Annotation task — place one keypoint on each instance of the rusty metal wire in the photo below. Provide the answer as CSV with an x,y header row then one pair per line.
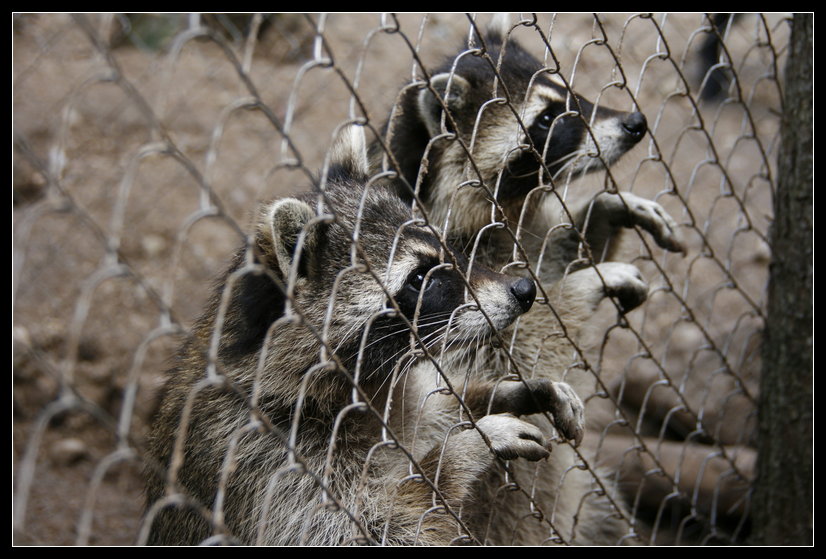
x,y
143,144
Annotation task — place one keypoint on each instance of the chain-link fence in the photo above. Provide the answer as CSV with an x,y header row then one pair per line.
x,y
143,145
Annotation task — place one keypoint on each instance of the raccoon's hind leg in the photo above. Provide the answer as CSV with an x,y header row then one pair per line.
x,y
609,212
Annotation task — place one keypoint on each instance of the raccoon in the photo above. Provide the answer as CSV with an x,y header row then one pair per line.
x,y
478,150
310,405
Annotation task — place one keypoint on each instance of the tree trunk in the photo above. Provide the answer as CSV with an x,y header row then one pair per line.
x,y
782,505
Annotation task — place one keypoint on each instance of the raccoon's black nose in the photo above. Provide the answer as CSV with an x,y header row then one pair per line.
x,y
525,292
635,125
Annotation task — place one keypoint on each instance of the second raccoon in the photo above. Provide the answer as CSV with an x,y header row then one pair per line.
x,y
484,140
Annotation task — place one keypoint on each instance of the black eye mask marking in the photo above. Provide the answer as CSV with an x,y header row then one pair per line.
x,y
436,291
546,118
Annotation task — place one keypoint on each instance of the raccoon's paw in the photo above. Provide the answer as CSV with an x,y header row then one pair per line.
x,y
512,438
568,411
629,210
586,288
625,283
525,397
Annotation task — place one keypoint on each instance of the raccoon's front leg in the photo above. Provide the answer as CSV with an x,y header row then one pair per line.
x,y
609,212
529,397
466,455
512,438
456,468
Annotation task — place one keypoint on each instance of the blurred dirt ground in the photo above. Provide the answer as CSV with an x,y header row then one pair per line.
x,y
94,96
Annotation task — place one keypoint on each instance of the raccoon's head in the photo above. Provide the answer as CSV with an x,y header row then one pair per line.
x,y
544,132
361,274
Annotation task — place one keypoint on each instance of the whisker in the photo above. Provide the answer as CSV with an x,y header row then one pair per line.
x,y
579,154
571,155
435,335
435,318
428,343
406,329
346,336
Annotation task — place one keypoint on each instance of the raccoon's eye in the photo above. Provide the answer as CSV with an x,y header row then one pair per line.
x,y
416,280
546,119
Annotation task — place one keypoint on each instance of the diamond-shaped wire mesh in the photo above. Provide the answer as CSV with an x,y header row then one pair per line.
x,y
143,146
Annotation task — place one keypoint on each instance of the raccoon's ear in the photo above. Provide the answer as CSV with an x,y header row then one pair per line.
x,y
452,88
349,152
293,234
499,26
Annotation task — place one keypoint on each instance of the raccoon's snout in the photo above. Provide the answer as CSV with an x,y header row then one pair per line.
x,y
524,290
635,125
